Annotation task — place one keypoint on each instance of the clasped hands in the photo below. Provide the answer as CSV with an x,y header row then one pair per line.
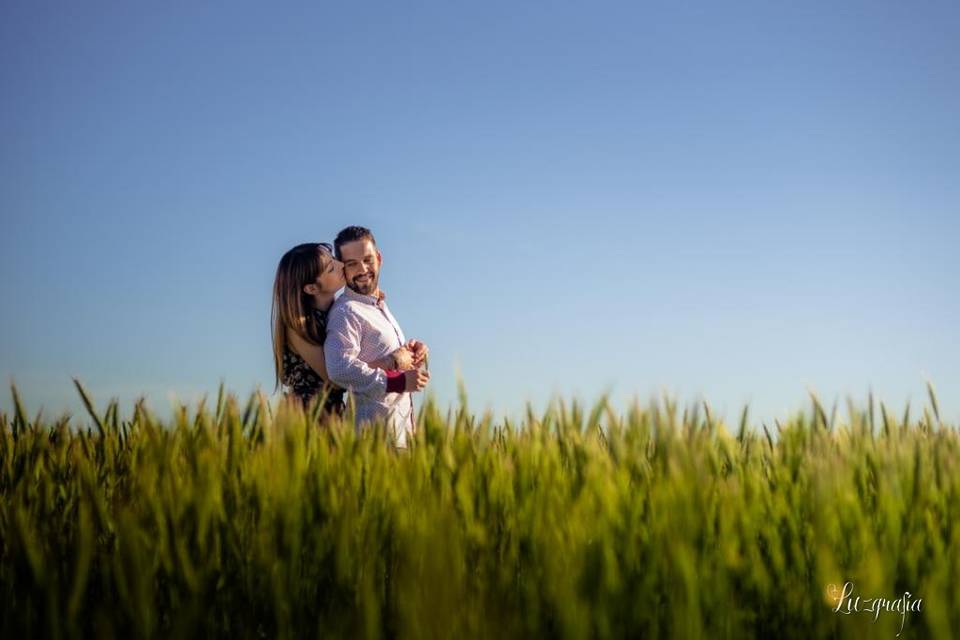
x,y
409,358
412,355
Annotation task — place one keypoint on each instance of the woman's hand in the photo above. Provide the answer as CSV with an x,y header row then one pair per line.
x,y
403,359
410,356
400,360
419,350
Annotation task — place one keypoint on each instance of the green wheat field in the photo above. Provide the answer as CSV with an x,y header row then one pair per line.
x,y
250,520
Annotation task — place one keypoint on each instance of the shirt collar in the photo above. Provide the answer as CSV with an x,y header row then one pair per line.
x,y
350,294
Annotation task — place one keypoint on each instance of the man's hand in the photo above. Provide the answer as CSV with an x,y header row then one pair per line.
x,y
419,350
415,380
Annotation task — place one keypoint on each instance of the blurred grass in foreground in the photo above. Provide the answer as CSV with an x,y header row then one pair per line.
x,y
251,521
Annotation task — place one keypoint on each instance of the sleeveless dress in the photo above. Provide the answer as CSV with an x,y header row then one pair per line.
x,y
303,382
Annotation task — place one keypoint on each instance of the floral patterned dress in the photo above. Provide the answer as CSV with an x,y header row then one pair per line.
x,y
303,382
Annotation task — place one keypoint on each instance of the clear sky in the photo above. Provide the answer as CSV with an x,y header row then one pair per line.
x,y
735,201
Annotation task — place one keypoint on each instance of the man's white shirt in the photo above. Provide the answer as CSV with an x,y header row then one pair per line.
x,y
361,329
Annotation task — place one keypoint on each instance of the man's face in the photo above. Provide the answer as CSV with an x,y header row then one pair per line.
x,y
361,266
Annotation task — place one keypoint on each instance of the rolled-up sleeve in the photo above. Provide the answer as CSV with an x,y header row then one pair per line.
x,y
342,354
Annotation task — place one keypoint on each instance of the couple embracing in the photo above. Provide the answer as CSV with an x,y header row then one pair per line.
x,y
324,346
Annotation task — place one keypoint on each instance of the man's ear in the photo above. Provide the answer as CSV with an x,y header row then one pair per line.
x,y
379,258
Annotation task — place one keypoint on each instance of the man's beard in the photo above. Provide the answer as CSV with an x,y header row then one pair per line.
x,y
366,288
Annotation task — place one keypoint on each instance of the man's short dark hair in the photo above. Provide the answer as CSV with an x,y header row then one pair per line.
x,y
351,234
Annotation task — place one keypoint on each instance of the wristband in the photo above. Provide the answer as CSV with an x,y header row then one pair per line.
x,y
395,381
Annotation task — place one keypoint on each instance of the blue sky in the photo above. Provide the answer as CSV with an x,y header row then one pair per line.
x,y
735,201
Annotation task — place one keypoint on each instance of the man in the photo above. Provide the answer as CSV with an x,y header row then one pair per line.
x,y
360,330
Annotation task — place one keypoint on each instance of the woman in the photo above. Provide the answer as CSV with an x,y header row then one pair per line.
x,y
307,278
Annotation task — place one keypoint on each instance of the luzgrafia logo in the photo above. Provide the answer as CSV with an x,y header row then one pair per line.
x,y
848,602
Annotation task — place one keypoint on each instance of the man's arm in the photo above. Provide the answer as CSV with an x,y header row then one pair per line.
x,y
342,351
344,366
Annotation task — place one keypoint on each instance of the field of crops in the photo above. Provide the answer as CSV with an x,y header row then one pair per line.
x,y
249,520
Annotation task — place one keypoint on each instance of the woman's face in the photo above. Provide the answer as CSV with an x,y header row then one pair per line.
x,y
331,279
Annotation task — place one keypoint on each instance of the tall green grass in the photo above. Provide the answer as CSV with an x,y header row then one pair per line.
x,y
249,520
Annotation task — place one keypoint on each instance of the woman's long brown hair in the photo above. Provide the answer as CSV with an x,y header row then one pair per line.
x,y
292,308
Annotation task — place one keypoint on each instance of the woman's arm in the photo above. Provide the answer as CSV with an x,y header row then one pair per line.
x,y
311,353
